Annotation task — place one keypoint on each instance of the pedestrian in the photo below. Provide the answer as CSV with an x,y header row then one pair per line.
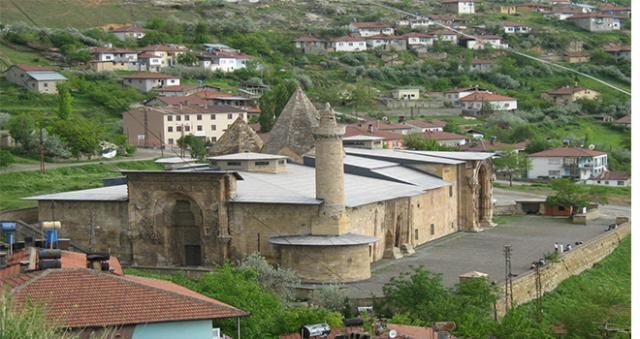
x,y
568,247
556,246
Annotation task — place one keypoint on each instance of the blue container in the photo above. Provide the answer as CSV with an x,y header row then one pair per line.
x,y
8,226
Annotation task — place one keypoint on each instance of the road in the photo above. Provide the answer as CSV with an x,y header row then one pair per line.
x,y
141,155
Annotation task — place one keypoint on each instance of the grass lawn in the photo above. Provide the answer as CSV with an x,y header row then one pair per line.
x,y
22,184
20,55
585,302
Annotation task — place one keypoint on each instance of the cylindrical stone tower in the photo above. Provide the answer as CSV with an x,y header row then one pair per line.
x,y
330,175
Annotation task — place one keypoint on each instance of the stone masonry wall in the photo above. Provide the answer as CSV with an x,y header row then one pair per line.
x,y
28,215
571,263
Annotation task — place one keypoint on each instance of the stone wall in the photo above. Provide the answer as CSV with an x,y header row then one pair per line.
x,y
93,225
28,215
327,264
571,263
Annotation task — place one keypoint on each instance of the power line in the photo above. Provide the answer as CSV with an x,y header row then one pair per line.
x,y
509,49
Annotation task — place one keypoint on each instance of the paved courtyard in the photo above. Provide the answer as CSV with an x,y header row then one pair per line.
x,y
530,237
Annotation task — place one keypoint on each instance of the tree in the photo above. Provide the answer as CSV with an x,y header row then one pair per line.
x,y
187,58
195,145
570,194
26,322
512,163
82,136
65,101
420,142
6,158
272,103
20,127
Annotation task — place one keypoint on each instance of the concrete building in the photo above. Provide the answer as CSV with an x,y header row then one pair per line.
x,y
459,6
453,96
619,51
363,141
309,44
484,42
477,100
514,28
390,140
478,65
446,138
571,162
155,126
421,126
406,93
328,219
596,22
168,53
444,35
149,62
417,40
128,32
110,59
35,78
568,94
366,29
611,178
349,43
225,62
576,57
147,81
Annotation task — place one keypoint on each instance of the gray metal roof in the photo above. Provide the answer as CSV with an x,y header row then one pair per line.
x,y
453,155
369,163
175,160
414,177
46,76
391,154
110,193
348,239
297,186
248,156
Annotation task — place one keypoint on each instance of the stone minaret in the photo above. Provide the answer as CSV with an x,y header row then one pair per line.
x,y
330,175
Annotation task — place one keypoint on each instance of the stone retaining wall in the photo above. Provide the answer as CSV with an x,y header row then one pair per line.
x,y
28,215
571,263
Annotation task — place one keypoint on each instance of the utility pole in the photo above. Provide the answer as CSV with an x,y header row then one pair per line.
x,y
508,280
182,147
538,293
41,150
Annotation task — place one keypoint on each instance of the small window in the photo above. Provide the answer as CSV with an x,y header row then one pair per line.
x,y
213,139
213,117
178,117
229,116
433,229
170,141
560,208
450,191
213,127
233,163
169,129
186,118
169,118
187,128
262,163
416,234
199,117
620,183
178,128
281,162
45,84
199,128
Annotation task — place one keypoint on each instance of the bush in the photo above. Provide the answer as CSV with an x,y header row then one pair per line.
x,y
280,280
331,297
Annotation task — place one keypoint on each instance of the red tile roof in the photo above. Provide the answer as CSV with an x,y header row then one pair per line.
x,y
116,50
617,48
568,152
436,135
147,56
484,96
488,146
150,75
416,35
348,38
384,125
613,175
362,129
79,298
129,28
209,109
31,68
626,120
178,88
164,48
579,16
68,259
427,123
307,38
182,100
413,332
566,90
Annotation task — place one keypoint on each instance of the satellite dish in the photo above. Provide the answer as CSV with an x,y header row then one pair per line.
x,y
592,146
393,334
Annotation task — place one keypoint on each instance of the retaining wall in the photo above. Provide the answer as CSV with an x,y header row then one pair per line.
x,y
28,215
571,263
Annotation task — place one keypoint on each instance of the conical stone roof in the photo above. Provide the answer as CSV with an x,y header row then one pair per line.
x,y
292,133
238,138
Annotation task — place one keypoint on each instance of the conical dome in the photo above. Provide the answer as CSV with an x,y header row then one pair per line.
x,y
238,138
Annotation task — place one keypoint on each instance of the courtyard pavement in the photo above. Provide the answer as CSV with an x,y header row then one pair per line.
x,y
453,255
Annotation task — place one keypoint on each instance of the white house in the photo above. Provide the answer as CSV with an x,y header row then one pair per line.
x,y
223,61
168,54
420,22
459,6
596,22
446,138
514,28
406,93
366,29
445,35
418,40
486,41
146,82
453,96
35,78
477,100
349,43
148,62
478,65
611,178
421,126
128,32
571,162
115,58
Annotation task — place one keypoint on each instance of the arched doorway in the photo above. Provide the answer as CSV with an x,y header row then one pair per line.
x,y
185,244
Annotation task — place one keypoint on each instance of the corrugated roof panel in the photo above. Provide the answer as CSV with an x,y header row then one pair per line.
x,y
411,176
402,155
110,193
46,75
453,155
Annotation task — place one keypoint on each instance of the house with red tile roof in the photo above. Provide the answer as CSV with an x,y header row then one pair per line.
x,y
619,51
515,28
371,129
611,178
422,126
168,53
348,43
446,138
147,81
84,300
366,29
568,94
225,62
35,78
571,162
477,100
596,22
310,44
128,32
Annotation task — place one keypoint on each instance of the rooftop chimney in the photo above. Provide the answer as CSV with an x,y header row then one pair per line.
x,y
370,128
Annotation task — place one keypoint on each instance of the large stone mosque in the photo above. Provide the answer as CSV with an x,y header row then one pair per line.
x,y
306,202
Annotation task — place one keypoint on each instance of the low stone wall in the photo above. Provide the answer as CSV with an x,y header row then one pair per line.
x,y
28,215
511,209
584,218
571,263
